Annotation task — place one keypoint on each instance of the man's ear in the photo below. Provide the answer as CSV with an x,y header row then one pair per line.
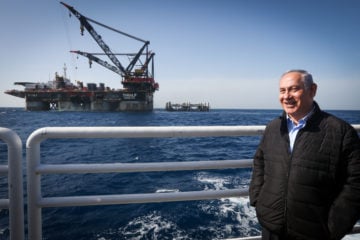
x,y
313,89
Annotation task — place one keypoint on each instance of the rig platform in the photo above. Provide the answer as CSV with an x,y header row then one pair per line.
x,y
60,94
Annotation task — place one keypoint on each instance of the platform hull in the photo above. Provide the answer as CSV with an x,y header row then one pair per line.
x,y
99,101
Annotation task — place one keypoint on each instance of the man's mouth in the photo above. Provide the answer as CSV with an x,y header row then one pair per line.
x,y
290,104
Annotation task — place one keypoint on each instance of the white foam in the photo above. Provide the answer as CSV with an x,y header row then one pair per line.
x,y
150,226
152,223
237,209
352,237
212,182
233,216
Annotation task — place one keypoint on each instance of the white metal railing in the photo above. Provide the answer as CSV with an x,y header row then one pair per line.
x,y
35,169
15,201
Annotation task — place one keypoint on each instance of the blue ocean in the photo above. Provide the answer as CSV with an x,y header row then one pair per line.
x,y
210,219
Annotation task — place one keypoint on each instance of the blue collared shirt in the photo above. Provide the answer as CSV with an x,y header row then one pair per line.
x,y
293,129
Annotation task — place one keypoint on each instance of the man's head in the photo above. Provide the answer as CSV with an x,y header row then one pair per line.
x,y
297,92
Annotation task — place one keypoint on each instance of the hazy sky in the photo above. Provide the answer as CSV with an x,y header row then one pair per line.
x,y
229,53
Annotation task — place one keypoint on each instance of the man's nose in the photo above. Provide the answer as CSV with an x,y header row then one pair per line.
x,y
287,94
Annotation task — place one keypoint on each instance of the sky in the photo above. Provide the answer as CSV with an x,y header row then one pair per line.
x,y
228,53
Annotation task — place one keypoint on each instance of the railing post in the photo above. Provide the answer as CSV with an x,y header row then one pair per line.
x,y
15,183
33,189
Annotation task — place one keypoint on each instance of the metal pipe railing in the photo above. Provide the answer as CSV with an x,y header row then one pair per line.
x,y
141,167
15,201
35,169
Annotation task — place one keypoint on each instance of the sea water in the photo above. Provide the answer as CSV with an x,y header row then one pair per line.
x,y
207,219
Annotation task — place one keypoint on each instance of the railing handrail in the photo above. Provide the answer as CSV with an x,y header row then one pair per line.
x,y
35,168
36,202
142,132
15,201
141,167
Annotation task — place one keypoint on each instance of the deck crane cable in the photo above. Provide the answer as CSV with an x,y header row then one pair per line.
x,y
69,42
137,55
116,30
99,61
84,21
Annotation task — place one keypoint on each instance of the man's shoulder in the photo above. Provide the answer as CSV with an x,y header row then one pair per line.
x,y
330,121
330,118
275,122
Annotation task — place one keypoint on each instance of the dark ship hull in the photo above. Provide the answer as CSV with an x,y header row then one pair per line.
x,y
82,100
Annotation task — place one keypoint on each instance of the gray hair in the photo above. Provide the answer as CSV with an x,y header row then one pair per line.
x,y
305,75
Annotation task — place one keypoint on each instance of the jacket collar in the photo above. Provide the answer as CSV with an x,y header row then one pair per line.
x,y
313,118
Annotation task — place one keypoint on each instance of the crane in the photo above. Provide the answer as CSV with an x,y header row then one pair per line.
x,y
134,79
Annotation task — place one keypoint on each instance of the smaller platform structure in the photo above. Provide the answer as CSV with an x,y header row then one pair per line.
x,y
187,107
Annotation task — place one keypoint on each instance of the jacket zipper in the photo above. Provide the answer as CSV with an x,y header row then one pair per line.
x,y
286,192
291,153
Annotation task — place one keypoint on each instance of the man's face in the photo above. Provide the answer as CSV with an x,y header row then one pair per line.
x,y
294,98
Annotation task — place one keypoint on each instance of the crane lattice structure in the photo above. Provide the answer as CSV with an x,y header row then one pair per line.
x,y
140,79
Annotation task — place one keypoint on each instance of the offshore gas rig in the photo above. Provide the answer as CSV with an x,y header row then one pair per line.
x,y
62,95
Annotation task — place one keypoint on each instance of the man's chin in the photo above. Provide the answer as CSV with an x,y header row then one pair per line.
x,y
289,109
292,113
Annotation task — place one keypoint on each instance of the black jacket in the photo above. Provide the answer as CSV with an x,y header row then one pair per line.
x,y
313,192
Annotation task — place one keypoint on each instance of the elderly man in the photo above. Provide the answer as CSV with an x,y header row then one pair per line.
x,y
306,174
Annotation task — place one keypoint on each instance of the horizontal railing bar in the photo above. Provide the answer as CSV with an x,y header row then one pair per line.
x,y
4,203
140,198
148,132
246,238
142,167
143,132
4,169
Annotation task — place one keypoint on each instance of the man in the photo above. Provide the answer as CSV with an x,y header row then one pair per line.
x,y
306,173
